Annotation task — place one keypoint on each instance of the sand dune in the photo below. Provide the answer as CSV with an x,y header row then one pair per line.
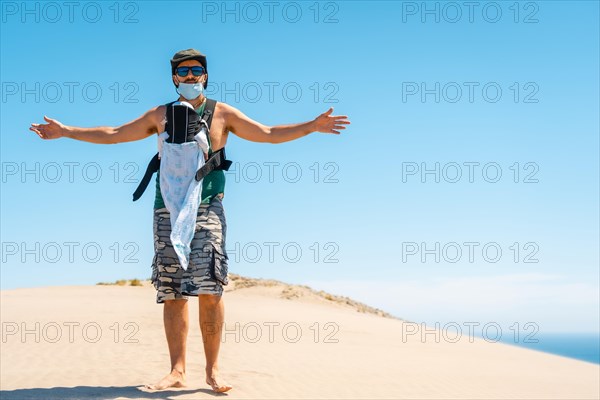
x,y
282,341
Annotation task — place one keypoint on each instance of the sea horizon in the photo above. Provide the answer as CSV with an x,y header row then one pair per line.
x,y
583,346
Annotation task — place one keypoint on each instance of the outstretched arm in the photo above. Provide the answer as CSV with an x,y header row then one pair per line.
x,y
246,128
137,129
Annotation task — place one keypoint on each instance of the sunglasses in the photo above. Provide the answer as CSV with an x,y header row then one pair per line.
x,y
183,71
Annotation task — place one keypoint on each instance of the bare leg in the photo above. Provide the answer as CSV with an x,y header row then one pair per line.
x,y
176,321
212,315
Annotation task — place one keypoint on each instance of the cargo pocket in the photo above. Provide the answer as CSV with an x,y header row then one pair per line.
x,y
218,268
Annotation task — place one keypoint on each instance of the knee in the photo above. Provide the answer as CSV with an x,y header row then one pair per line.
x,y
209,300
175,303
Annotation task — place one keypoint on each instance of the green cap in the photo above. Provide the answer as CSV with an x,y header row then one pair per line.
x,y
189,54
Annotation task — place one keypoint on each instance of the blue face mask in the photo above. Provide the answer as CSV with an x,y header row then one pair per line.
x,y
190,91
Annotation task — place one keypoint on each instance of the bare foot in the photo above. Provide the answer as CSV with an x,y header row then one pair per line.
x,y
174,379
217,383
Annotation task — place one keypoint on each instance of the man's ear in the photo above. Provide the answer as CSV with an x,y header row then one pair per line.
x,y
175,81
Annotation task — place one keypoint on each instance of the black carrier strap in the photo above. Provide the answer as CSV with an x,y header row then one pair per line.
x,y
209,110
153,166
216,161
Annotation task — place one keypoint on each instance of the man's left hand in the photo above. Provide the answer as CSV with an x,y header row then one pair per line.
x,y
327,123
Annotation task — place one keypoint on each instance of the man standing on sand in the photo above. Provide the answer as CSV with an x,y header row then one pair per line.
x,y
173,284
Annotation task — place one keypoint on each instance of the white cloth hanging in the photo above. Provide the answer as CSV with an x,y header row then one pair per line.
x,y
179,188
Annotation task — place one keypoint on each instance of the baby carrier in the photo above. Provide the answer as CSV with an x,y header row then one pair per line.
x,y
180,159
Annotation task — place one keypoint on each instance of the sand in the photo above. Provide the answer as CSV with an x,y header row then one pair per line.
x,y
282,342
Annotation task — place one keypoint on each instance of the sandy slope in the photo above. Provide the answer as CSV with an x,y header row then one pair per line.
x,y
282,342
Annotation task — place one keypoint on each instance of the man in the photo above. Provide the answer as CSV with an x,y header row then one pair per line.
x,y
173,284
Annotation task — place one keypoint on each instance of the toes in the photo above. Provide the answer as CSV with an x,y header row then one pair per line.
x,y
221,389
218,388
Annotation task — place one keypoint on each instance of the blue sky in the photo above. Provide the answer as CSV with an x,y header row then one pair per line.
x,y
494,89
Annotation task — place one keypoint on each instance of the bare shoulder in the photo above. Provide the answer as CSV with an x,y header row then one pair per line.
x,y
224,110
229,116
159,117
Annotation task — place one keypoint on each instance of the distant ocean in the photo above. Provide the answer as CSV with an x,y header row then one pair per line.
x,y
582,346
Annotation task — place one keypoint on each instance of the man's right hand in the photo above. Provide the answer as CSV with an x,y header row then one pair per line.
x,y
52,130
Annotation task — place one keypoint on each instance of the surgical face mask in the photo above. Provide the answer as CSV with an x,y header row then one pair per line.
x,y
190,91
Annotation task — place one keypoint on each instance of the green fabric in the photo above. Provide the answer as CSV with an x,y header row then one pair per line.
x,y
212,184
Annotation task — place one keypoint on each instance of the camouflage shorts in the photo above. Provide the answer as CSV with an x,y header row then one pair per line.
x,y
207,272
